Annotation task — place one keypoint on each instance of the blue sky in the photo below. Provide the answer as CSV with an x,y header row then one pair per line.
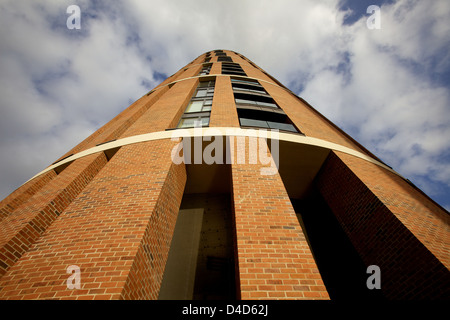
x,y
387,88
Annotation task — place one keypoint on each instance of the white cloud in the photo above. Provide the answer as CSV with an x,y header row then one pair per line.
x,y
390,104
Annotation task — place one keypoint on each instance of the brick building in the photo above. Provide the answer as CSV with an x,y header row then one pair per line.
x,y
220,183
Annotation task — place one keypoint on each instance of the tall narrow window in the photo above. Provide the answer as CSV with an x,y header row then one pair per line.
x,y
206,69
198,111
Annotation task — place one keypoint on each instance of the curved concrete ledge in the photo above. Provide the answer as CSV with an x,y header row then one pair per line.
x,y
211,76
216,131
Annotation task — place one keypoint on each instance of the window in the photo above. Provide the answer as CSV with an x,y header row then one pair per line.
x,y
264,119
256,108
254,100
226,58
245,80
248,87
198,110
194,120
232,68
206,69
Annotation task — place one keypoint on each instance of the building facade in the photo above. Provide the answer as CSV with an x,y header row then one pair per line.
x,y
220,183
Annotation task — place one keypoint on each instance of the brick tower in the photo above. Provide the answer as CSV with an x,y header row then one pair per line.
x,y
220,183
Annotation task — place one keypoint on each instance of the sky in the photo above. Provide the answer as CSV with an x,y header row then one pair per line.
x,y
388,87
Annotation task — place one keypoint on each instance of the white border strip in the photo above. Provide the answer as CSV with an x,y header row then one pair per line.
x,y
218,131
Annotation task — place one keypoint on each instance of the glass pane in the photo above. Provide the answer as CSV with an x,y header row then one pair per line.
x,y
281,126
205,121
206,108
267,104
208,102
253,123
242,101
201,93
244,81
257,90
195,106
187,123
240,89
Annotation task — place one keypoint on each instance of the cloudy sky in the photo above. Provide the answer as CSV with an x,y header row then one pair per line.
x,y
388,87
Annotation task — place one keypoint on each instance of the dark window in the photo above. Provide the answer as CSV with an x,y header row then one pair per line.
x,y
221,59
245,80
259,110
240,87
233,68
265,119
206,69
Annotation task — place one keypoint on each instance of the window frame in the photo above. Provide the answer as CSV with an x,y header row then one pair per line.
x,y
204,114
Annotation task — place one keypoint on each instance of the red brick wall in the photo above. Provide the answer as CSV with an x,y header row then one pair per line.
x,y
216,68
187,72
223,111
24,226
426,220
166,112
274,259
253,72
115,220
146,273
390,225
23,193
117,231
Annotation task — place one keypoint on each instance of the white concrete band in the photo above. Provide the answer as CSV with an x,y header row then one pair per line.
x,y
215,131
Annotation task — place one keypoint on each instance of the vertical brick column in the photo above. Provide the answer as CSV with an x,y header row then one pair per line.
x,y
253,72
23,193
223,111
391,225
189,71
23,226
274,259
216,68
117,231
166,112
